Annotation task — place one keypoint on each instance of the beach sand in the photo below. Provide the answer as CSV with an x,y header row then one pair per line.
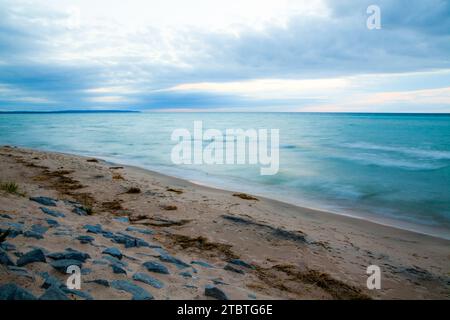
x,y
291,252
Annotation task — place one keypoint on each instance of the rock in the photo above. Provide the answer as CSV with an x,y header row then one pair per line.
x,y
79,293
36,255
190,286
52,223
202,263
32,234
13,229
7,246
251,296
118,269
185,274
219,281
6,216
80,211
54,293
39,228
129,241
113,252
143,231
70,254
46,201
170,259
63,264
5,259
101,282
101,262
116,261
139,276
50,281
241,263
86,271
85,239
231,268
52,213
11,291
137,292
156,267
21,272
93,228
214,292
122,219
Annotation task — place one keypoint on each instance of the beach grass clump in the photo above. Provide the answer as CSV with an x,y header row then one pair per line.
x,y
11,187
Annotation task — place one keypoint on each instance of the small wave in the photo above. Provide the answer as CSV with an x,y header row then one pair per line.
x,y
377,160
430,154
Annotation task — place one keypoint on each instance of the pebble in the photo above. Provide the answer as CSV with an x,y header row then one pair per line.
x,y
70,254
101,282
231,268
241,263
52,223
143,231
117,269
32,234
170,259
202,263
93,228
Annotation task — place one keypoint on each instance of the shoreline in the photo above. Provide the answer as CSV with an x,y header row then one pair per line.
x,y
290,248
359,215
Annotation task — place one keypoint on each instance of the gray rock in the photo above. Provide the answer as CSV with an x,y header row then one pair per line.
x,y
52,213
63,264
139,276
214,292
252,296
32,234
36,255
101,262
23,272
137,292
143,231
46,201
11,291
122,219
241,263
156,267
118,269
5,259
101,282
6,216
185,274
113,252
116,261
52,223
85,239
50,281
93,228
231,268
7,246
39,228
202,263
170,259
69,254
79,211
54,293
127,240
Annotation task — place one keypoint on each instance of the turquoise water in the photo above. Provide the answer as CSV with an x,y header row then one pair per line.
x,y
393,169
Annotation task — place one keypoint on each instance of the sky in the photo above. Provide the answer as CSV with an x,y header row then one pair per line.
x,y
234,55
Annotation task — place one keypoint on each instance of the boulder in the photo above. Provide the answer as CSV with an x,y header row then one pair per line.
x,y
11,291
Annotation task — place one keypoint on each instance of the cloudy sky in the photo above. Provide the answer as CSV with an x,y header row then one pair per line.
x,y
234,55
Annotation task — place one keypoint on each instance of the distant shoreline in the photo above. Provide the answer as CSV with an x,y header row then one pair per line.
x,y
69,111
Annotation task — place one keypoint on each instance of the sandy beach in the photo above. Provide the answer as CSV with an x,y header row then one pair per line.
x,y
235,244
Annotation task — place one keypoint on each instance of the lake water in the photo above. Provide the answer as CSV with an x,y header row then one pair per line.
x,y
393,169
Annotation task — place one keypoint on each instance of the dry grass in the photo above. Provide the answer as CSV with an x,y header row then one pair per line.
x,y
11,187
